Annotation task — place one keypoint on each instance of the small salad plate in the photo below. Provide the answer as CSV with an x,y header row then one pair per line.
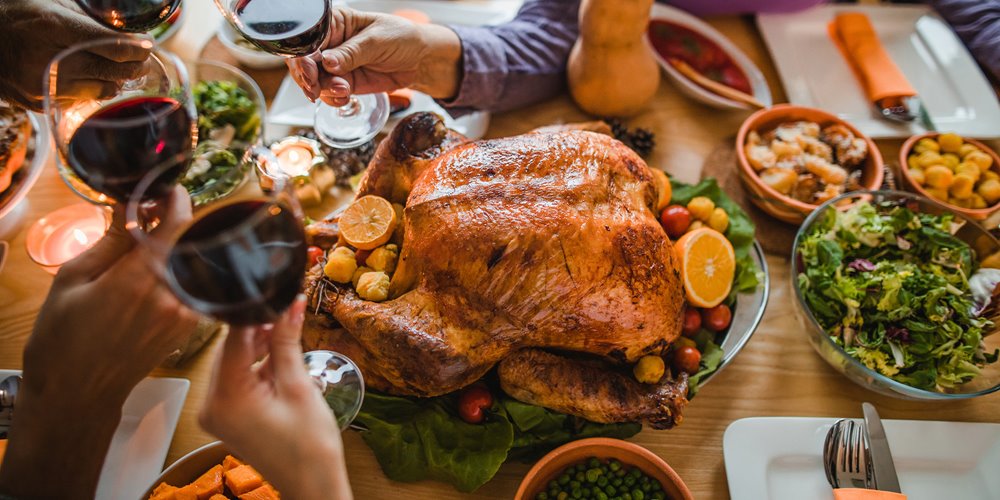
x,y
674,33
954,91
140,444
782,458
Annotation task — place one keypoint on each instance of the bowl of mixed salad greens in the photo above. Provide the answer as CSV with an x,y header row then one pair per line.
x,y
897,292
230,109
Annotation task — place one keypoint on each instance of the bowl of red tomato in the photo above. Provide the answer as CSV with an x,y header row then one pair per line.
x,y
676,35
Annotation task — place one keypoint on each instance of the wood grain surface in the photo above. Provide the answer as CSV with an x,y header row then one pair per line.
x,y
778,373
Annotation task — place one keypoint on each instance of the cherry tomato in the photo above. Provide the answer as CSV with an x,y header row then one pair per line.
x,y
687,359
173,17
717,318
675,220
692,322
472,401
361,256
314,254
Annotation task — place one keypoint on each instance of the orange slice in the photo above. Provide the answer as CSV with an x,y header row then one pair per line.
x,y
663,190
708,264
368,223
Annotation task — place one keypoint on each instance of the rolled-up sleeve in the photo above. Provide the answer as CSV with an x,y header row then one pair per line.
x,y
517,63
977,23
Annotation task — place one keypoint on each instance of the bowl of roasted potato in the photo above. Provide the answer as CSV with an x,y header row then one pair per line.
x,y
961,173
792,159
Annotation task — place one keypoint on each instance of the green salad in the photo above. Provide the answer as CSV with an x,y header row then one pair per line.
x,y
891,286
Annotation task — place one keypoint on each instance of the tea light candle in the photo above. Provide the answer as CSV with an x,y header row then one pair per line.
x,y
297,156
60,236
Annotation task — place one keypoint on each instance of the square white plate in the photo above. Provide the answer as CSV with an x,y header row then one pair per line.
x,y
140,444
952,87
782,458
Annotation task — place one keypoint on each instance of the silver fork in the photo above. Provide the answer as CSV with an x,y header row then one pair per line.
x,y
830,446
852,468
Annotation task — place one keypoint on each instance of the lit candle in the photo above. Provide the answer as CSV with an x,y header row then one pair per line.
x,y
60,236
295,160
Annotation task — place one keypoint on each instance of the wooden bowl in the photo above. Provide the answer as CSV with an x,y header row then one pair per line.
x,y
552,465
978,214
191,466
785,207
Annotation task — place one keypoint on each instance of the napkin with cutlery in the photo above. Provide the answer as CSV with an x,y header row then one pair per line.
x,y
863,494
854,35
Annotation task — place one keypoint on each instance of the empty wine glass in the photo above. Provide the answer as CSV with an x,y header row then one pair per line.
x,y
110,136
298,28
241,260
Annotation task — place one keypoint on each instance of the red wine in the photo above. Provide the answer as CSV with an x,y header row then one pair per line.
x,y
132,16
243,262
115,147
285,27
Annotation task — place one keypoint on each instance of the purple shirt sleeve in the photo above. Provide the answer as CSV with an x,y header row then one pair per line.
x,y
977,23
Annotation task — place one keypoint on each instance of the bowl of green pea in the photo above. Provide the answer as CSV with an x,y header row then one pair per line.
x,y
604,469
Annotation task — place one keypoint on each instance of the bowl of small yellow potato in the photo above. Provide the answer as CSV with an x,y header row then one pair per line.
x,y
961,173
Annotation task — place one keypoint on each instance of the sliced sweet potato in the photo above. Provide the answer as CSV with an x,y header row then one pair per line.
x,y
163,492
210,483
219,497
243,479
231,462
189,492
265,492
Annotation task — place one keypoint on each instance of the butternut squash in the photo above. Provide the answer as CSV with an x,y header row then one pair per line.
x,y
611,69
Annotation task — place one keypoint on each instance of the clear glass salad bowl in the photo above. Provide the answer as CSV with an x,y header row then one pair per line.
x,y
981,241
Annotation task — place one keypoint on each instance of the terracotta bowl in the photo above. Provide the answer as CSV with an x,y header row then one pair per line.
x,y
778,205
978,214
191,466
552,465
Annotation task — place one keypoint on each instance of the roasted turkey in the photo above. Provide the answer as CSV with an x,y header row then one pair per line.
x,y
539,254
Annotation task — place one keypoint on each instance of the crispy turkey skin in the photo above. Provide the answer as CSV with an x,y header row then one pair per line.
x,y
520,248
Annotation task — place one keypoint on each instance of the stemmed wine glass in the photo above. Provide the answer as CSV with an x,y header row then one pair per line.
x,y
130,16
109,136
298,28
241,261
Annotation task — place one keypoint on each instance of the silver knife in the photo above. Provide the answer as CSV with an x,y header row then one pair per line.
x,y
882,467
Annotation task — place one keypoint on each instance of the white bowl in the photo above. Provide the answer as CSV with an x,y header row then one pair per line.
x,y
757,82
191,466
251,58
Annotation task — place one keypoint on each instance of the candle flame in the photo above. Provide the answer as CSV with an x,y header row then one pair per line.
x,y
80,236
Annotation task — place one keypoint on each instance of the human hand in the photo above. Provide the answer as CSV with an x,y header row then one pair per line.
x,y
371,52
272,415
108,320
35,31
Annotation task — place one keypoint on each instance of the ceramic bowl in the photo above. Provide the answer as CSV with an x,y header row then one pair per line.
x,y
191,466
552,465
785,207
911,185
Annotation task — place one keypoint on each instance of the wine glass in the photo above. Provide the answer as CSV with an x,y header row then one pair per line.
x,y
130,16
110,136
298,28
241,260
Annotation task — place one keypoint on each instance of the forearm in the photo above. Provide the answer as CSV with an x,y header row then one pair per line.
x,y
517,63
977,23
56,450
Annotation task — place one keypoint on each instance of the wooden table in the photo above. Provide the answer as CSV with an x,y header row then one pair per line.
x,y
778,373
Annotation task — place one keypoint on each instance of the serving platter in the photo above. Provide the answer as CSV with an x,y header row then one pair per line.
x,y
781,458
954,90
141,441
38,153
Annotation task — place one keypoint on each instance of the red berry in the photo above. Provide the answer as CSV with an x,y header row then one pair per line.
x,y
675,220
473,401
692,322
687,359
717,318
361,256
314,254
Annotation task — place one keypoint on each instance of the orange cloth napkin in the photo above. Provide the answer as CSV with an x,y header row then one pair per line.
x,y
853,34
863,494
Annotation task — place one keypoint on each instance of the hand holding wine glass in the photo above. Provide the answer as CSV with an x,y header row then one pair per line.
x,y
271,414
34,31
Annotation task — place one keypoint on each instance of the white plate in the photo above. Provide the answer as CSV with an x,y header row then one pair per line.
x,y
757,82
781,458
291,109
38,153
140,444
468,13
937,64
